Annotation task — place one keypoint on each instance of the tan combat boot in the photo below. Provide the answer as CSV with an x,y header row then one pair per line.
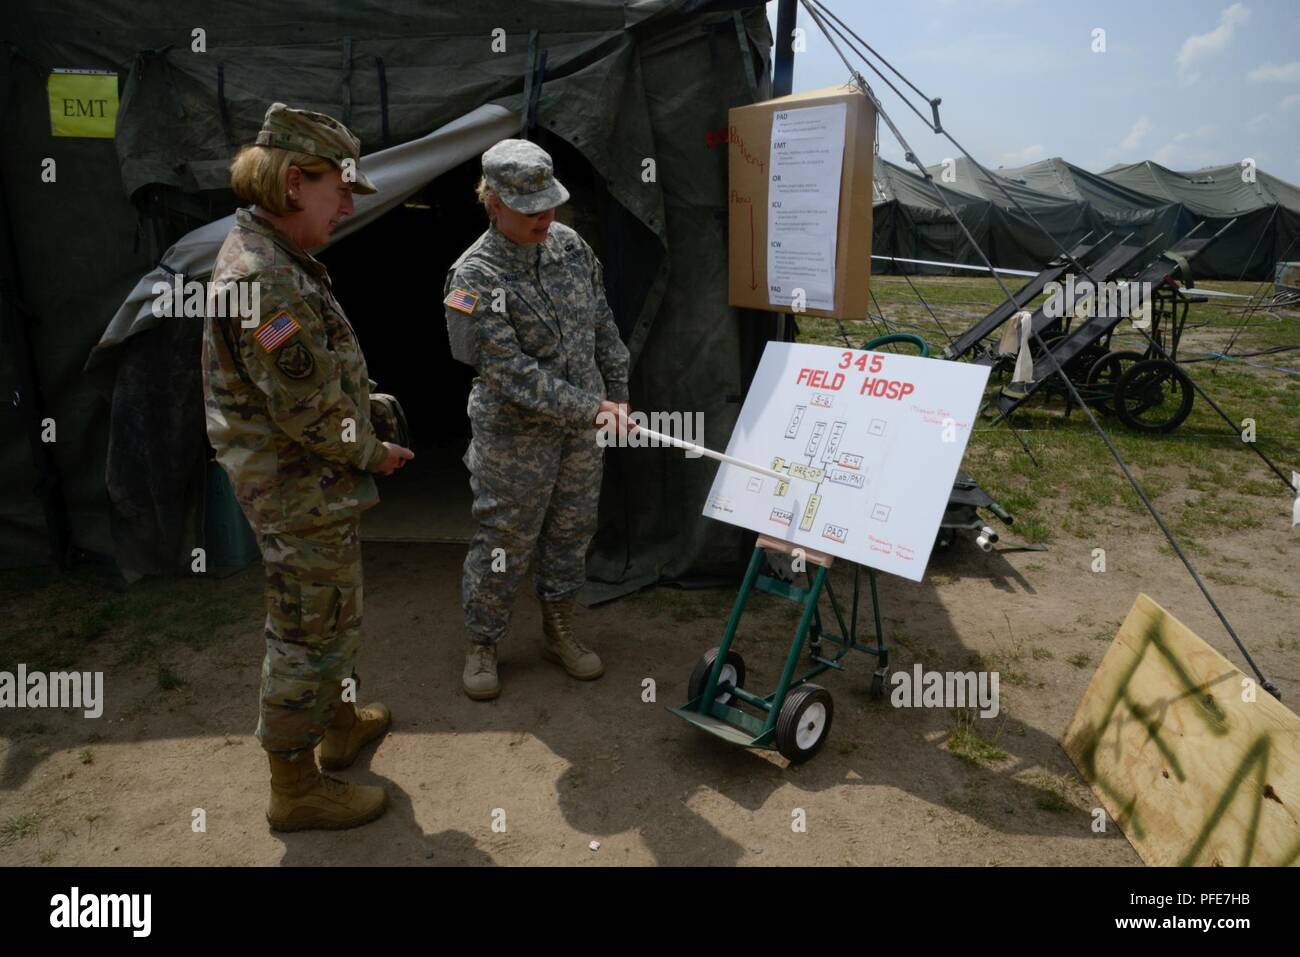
x,y
303,799
480,677
560,645
351,729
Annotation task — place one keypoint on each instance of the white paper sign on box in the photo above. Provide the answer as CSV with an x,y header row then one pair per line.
x,y
871,442
804,204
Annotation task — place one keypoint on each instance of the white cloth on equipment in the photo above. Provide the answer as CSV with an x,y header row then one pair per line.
x,y
1024,372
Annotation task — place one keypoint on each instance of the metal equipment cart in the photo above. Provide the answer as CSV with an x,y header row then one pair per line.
x,y
796,718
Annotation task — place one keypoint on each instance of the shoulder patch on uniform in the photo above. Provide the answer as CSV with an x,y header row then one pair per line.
x,y
295,360
277,330
462,300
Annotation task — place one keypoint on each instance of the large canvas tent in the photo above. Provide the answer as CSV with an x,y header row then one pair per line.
x,y
1266,210
612,85
1016,214
1120,209
1008,210
911,221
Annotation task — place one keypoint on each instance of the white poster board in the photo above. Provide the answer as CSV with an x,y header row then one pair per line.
x,y
803,200
871,442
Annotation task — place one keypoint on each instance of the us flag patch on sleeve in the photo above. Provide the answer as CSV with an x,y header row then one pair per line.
x,y
277,330
463,300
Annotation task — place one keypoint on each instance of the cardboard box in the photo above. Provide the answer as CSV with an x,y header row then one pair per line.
x,y
749,156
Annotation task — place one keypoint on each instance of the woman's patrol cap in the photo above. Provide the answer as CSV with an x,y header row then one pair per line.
x,y
318,135
521,173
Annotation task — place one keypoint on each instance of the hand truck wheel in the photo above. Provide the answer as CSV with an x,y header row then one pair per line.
x,y
878,681
733,674
804,722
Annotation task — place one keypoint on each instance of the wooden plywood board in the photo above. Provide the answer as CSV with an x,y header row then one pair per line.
x,y
1195,763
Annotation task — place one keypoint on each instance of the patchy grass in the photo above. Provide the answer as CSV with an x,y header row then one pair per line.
x,y
965,742
17,828
970,746
1051,791
57,617
169,680
684,605
1006,662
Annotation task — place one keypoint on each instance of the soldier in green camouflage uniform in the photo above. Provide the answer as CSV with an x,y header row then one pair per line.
x,y
288,413
525,305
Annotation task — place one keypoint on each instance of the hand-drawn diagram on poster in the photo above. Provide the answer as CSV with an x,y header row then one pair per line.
x,y
871,443
804,204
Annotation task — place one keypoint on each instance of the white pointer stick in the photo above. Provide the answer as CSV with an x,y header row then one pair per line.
x,y
720,456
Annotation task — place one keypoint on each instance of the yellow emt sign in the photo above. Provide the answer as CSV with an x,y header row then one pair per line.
x,y
82,103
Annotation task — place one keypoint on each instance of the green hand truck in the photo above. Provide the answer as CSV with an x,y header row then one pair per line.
x,y
795,719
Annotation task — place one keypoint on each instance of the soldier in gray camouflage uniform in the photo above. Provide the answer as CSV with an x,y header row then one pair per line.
x,y
525,305
288,413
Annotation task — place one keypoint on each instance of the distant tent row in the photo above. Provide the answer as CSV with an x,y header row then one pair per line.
x,y
1008,215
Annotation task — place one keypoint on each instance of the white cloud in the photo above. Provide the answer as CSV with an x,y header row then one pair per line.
x,y
1191,149
1208,45
1136,135
1020,157
1291,101
1257,123
1165,155
1272,72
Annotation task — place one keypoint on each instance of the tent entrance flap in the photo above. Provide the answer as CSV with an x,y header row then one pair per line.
x,y
389,277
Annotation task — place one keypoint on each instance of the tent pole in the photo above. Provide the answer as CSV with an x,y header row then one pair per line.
x,y
783,66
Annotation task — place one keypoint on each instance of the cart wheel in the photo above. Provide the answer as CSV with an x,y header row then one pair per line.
x,y
1153,396
1105,372
804,722
878,685
733,672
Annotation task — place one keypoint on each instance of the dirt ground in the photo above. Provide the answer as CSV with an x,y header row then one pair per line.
x,y
571,763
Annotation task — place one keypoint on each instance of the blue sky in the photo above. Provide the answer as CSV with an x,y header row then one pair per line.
x,y
1187,83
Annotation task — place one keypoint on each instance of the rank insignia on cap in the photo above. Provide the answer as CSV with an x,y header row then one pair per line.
x,y
277,330
463,300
